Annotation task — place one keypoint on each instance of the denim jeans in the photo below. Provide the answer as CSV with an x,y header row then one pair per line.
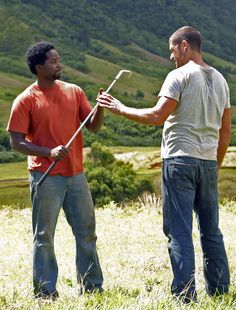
x,y
73,195
191,184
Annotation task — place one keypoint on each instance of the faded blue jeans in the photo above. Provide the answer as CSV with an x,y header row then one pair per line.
x,y
73,195
191,184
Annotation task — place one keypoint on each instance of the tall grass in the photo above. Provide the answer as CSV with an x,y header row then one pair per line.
x,y
133,255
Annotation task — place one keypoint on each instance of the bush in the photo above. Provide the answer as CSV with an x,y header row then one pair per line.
x,y
112,180
10,157
4,139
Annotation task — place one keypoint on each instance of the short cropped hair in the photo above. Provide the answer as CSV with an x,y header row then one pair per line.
x,y
36,54
190,34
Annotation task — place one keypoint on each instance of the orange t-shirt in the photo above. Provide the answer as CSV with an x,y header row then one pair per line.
x,y
49,117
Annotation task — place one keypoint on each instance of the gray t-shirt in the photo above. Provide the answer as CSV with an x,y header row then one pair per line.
x,y
193,128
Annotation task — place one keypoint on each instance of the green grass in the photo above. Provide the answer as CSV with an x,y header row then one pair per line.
x,y
13,171
145,160
133,255
107,71
227,181
102,72
219,61
14,185
234,114
13,81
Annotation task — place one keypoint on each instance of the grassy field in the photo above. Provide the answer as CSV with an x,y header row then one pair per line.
x,y
13,171
133,255
14,187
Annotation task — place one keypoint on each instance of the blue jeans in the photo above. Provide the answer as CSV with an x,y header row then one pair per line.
x,y
73,195
191,184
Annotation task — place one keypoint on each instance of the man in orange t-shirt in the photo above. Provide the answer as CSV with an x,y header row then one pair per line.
x,y
43,119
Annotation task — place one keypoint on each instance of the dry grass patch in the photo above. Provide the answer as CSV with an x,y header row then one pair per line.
x,y
133,255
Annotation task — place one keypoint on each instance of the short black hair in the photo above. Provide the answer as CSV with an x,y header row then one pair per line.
x,y
189,34
36,54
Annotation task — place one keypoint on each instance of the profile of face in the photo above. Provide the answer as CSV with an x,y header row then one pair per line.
x,y
177,53
51,69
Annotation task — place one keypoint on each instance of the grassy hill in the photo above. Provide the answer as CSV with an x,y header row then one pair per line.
x,y
98,38
117,131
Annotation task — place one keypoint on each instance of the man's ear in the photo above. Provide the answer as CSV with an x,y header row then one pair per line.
x,y
184,45
38,68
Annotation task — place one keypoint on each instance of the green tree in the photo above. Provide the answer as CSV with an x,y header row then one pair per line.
x,y
111,179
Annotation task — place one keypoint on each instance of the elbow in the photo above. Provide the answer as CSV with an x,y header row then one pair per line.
x,y
158,121
94,129
13,144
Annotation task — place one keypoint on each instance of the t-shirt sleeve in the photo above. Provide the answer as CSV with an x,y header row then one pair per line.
x,y
171,87
85,107
20,116
227,104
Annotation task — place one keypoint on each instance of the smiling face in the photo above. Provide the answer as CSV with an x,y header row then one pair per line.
x,y
51,69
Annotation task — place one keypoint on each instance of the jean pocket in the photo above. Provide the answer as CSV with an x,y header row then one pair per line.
x,y
182,174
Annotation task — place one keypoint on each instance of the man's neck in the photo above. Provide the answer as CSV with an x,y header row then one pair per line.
x,y
45,83
197,58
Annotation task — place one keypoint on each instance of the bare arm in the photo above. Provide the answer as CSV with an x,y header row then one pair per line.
x,y
19,144
224,136
156,115
95,122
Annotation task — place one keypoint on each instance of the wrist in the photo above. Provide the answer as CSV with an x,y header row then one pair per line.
x,y
121,109
49,153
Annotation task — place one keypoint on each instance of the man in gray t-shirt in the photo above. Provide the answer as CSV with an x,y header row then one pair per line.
x,y
194,107
193,128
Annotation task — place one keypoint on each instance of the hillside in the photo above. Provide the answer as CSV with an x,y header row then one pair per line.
x,y
98,38
74,23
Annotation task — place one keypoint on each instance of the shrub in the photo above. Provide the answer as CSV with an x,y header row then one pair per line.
x,y
4,139
112,180
11,156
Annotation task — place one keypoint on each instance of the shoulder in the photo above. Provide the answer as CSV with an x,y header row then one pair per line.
x,y
185,73
180,73
27,94
176,76
69,86
219,75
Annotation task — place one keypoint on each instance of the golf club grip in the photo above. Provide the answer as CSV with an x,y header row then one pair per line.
x,y
46,173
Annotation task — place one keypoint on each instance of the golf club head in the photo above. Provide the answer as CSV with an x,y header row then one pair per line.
x,y
117,78
123,71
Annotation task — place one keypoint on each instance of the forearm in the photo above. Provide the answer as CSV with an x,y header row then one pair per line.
x,y
156,115
28,148
222,148
146,116
96,121
224,136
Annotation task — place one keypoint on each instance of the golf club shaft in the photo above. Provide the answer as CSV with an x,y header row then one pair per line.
x,y
90,114
68,144
78,130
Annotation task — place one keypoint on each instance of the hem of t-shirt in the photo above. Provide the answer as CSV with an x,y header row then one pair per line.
x,y
10,129
189,155
58,172
168,96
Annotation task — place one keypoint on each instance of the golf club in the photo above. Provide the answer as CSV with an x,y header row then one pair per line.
x,y
81,126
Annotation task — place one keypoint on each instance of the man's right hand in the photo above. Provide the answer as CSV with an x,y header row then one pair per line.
x,y
59,152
